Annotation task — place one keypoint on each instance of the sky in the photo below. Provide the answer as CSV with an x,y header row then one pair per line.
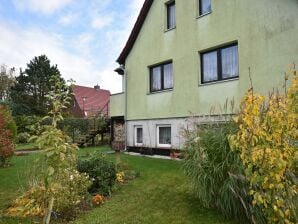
x,y
83,37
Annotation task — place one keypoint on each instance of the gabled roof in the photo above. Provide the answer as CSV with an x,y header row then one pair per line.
x,y
135,31
95,99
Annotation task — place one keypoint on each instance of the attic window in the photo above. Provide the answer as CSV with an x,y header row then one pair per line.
x,y
171,15
204,7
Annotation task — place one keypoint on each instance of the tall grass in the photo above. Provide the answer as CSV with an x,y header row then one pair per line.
x,y
216,172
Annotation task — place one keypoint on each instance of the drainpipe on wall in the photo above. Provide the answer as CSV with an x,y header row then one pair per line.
x,y
125,113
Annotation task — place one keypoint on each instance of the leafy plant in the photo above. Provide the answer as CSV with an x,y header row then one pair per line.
x,y
216,172
102,172
267,147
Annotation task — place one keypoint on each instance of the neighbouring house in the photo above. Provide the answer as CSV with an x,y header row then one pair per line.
x,y
90,102
185,57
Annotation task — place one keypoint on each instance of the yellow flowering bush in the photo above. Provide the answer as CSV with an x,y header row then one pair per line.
x,y
32,203
69,192
120,177
267,143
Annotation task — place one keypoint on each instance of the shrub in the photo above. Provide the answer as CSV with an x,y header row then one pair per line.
x,y
266,143
69,192
102,172
216,172
22,137
6,137
9,123
27,124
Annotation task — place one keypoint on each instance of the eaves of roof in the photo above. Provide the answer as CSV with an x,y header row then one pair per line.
x,y
135,32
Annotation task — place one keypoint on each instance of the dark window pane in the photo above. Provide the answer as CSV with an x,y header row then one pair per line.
x,y
209,66
156,79
165,135
139,135
229,62
171,17
205,6
168,76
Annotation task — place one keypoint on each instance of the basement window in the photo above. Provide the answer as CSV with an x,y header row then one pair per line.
x,y
164,136
138,135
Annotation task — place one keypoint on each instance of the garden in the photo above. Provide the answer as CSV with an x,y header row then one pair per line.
x,y
242,170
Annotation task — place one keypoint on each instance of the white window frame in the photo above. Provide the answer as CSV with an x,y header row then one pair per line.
x,y
136,137
157,136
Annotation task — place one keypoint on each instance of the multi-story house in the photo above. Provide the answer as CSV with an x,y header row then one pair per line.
x,y
184,57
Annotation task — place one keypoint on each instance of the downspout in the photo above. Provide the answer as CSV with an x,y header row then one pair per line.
x,y
125,110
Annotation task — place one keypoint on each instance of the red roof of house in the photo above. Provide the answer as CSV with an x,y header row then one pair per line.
x,y
95,99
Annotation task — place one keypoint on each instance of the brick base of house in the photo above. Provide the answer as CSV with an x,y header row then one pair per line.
x,y
118,145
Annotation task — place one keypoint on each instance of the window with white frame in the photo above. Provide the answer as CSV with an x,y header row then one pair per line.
x,y
164,136
138,135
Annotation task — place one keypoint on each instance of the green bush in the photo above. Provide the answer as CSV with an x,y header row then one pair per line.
x,y
101,171
27,124
217,173
22,137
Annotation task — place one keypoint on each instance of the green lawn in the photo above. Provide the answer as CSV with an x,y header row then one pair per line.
x,y
160,195
25,146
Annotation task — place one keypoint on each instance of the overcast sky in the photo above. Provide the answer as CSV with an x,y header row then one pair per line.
x,y
83,37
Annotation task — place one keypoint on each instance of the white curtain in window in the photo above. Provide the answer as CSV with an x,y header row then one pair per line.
x,y
156,79
171,16
229,62
164,135
205,6
168,76
210,66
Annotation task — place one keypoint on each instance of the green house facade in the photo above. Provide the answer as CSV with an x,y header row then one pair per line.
x,y
186,58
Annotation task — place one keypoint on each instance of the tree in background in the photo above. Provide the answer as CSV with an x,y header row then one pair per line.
x,y
7,81
33,85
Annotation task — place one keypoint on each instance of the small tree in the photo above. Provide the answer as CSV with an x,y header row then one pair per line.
x,y
266,142
60,156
